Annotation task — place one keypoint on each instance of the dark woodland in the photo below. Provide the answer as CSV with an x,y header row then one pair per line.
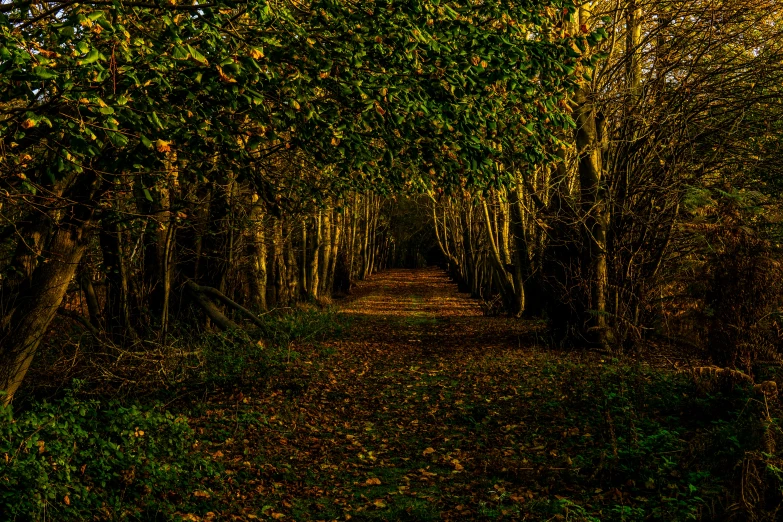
x,y
391,260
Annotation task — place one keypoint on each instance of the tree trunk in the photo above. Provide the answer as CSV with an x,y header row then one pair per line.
x,y
593,207
93,310
281,277
116,312
326,252
514,306
303,264
256,245
49,284
313,258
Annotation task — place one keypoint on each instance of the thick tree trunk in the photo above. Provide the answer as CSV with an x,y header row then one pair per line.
x,y
48,285
212,311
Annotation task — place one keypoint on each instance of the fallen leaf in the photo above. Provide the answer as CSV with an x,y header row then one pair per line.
x,y
379,503
373,481
428,451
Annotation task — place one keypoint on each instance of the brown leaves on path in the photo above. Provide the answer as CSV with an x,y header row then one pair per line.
x,y
425,409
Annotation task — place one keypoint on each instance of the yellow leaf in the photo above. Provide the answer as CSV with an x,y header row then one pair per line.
x,y
373,481
428,451
67,500
379,503
277,516
223,75
163,146
28,124
256,54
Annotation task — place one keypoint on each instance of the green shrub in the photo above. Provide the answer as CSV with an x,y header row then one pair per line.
x,y
80,459
233,358
302,325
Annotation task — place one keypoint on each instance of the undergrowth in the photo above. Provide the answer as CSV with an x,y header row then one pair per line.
x,y
83,459
284,423
91,451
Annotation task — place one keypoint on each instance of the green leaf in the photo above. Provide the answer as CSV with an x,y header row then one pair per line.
x,y
180,53
91,57
117,138
197,55
43,73
154,118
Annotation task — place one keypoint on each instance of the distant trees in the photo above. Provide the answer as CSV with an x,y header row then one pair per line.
x,y
212,160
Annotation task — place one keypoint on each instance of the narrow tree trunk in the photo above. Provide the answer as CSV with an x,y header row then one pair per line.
x,y
593,213
303,264
281,278
365,239
256,245
313,258
326,252
93,310
290,262
116,312
336,238
506,284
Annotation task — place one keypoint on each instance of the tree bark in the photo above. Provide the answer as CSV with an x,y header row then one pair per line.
x,y
49,284
256,245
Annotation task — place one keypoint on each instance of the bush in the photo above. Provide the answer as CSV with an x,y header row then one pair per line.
x,y
80,459
744,289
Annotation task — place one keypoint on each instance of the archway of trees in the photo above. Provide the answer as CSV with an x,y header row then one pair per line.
x,y
210,162
188,188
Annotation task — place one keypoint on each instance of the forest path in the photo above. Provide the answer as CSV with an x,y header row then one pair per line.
x,y
421,409
409,415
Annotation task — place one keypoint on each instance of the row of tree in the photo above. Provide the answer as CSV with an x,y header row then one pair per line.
x,y
205,161
666,200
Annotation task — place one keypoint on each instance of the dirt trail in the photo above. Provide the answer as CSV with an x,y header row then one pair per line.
x,y
424,409
413,414
421,311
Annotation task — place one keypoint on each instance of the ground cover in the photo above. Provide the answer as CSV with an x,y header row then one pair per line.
x,y
415,406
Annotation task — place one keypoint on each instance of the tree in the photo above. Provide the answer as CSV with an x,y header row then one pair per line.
x,y
152,123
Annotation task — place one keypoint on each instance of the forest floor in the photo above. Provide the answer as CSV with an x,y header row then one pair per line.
x,y
423,408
